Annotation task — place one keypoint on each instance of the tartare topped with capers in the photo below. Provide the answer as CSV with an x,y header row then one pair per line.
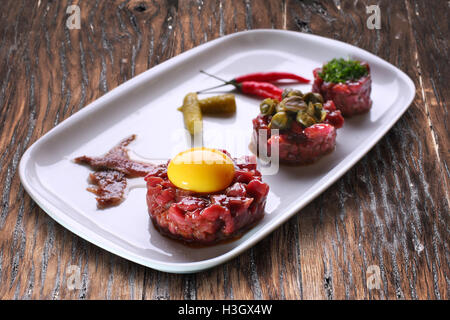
x,y
347,82
306,126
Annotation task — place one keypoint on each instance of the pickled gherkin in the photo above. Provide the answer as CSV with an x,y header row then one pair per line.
x,y
224,103
192,113
221,104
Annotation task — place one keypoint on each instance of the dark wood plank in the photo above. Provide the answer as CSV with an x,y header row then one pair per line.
x,y
390,210
432,50
392,207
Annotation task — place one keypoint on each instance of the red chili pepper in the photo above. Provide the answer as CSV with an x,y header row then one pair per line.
x,y
270,77
262,89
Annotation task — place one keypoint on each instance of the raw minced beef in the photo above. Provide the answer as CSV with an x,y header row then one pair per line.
x,y
207,218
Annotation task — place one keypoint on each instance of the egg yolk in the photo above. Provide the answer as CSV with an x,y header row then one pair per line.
x,y
201,170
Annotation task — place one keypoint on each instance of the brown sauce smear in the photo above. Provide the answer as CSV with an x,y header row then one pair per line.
x,y
109,180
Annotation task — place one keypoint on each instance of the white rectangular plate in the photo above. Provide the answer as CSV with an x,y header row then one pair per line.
x,y
146,105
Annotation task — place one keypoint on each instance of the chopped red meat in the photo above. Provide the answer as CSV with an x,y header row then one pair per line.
x,y
207,218
334,116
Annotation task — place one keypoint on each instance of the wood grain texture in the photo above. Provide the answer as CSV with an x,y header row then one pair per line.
x,y
390,210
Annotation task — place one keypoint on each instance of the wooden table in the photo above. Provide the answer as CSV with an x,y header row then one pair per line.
x,y
389,213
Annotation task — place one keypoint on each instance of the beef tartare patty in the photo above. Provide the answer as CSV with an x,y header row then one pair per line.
x,y
307,127
349,89
207,218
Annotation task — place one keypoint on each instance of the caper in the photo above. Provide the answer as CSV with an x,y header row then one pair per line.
x,y
291,104
313,97
291,92
305,119
317,110
267,106
285,93
280,120
311,111
296,93
323,115
267,109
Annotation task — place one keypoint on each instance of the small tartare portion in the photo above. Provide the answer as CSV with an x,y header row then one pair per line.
x,y
307,126
347,83
205,217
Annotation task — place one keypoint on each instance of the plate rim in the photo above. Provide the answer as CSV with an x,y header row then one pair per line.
x,y
89,235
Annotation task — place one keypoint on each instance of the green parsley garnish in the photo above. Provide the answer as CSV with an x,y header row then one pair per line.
x,y
341,70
